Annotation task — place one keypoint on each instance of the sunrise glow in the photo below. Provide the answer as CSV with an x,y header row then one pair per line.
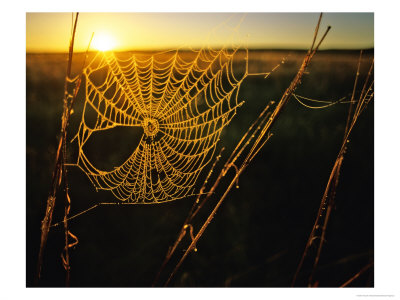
x,y
103,42
50,32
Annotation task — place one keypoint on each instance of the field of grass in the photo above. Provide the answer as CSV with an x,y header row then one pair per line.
x,y
259,233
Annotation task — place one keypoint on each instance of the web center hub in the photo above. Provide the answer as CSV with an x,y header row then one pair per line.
x,y
150,127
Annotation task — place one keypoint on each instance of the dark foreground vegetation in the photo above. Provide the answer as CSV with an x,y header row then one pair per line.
x,y
258,235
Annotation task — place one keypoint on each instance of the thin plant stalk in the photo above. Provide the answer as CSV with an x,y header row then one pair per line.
x,y
333,185
262,138
362,271
59,168
197,205
327,201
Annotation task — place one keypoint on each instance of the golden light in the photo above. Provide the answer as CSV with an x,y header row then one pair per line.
x,y
103,42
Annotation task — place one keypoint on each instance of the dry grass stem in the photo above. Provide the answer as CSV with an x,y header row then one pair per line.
x,y
262,127
59,170
327,201
362,271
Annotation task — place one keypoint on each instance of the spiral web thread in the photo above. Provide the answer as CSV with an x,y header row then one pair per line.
x,y
181,99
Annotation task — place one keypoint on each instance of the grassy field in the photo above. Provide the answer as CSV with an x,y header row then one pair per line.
x,y
259,234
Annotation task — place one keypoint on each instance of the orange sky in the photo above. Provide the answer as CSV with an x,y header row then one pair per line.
x,y
49,32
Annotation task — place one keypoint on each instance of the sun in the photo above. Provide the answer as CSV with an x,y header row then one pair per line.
x,y
103,42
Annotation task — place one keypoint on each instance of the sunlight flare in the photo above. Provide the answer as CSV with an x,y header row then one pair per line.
x,y
103,42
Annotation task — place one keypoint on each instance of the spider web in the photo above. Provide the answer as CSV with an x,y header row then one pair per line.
x,y
181,99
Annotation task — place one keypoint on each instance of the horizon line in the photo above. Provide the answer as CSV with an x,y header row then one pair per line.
x,y
368,49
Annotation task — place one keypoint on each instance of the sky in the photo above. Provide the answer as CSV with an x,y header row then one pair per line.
x,y
50,32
